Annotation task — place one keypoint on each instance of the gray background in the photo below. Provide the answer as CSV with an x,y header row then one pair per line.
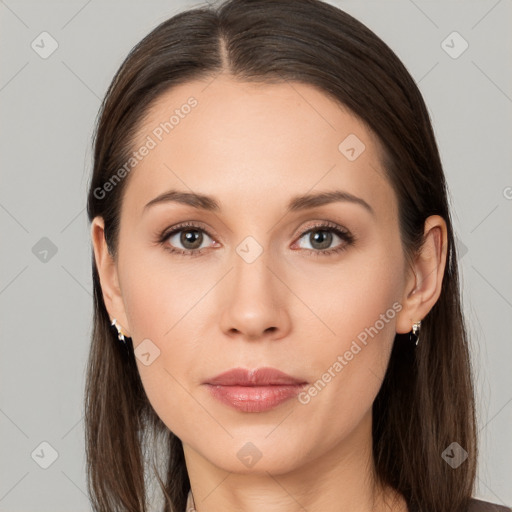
x,y
48,107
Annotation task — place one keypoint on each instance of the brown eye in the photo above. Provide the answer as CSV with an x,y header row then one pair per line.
x,y
321,238
189,239
186,239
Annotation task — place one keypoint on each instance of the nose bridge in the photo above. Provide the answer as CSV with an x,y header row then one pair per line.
x,y
251,275
254,305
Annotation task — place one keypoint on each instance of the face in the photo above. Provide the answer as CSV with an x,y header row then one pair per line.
x,y
311,288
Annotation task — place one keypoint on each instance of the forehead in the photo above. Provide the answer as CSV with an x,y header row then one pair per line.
x,y
255,144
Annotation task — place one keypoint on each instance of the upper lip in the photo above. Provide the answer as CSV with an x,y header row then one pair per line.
x,y
264,376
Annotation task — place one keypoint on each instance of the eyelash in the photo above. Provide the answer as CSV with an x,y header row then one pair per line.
x,y
325,226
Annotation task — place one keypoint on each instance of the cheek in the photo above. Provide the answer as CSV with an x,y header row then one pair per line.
x,y
354,300
159,291
358,309
165,308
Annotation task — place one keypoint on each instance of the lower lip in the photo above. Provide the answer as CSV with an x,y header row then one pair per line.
x,y
254,398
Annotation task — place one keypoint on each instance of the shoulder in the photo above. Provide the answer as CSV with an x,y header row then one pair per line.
x,y
476,505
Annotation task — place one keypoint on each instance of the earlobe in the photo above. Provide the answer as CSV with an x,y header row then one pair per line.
x,y
108,274
424,285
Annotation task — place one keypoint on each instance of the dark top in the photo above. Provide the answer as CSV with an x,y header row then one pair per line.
x,y
476,505
486,506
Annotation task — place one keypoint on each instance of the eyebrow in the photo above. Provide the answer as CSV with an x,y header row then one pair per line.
x,y
297,203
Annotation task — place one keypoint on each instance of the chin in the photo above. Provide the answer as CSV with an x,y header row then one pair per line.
x,y
254,454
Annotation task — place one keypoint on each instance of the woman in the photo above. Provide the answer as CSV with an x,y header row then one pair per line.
x,y
277,320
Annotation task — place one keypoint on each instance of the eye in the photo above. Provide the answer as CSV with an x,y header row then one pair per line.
x,y
321,237
190,236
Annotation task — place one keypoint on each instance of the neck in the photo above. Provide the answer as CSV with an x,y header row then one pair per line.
x,y
342,479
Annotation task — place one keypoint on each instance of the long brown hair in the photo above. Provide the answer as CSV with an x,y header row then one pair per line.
x,y
426,401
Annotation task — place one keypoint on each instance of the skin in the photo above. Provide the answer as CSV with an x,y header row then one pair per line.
x,y
253,147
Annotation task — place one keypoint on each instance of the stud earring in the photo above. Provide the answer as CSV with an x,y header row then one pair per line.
x,y
414,335
120,334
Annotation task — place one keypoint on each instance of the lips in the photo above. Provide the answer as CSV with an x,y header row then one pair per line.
x,y
254,390
259,377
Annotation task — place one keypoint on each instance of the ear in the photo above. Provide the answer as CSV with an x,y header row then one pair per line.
x,y
424,282
107,270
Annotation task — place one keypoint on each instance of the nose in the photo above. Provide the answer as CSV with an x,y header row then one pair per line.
x,y
255,307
